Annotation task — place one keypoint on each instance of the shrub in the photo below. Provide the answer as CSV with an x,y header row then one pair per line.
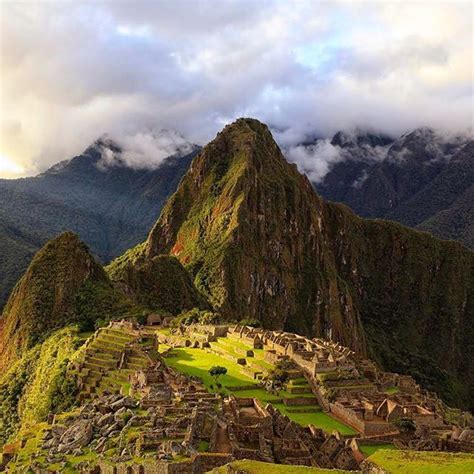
x,y
194,316
405,424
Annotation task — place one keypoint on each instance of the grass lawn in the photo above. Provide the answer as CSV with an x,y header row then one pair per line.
x,y
256,467
320,420
163,347
237,343
197,362
370,449
423,462
258,393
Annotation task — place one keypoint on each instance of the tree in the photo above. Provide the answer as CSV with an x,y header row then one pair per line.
x,y
216,372
405,424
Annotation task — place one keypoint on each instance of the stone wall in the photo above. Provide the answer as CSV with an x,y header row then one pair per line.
x,y
198,464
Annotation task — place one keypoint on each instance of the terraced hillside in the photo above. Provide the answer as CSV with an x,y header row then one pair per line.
x,y
108,359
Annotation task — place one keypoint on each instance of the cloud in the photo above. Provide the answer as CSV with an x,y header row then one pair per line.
x,y
143,149
73,71
315,160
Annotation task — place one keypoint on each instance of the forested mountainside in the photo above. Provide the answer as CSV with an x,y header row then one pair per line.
x,y
110,207
260,243
422,179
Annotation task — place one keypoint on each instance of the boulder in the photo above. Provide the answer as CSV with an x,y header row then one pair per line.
x,y
76,436
105,420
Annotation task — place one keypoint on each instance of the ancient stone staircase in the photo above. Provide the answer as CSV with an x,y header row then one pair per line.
x,y
107,362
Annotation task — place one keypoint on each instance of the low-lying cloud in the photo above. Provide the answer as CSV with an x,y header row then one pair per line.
x,y
315,160
143,150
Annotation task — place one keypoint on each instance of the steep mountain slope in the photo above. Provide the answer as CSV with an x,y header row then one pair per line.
x,y
456,178
408,180
111,207
456,222
63,285
260,243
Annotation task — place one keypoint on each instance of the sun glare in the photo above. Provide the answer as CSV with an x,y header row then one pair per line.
x,y
9,168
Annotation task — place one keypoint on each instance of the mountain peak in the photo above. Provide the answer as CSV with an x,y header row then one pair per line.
x,y
48,296
243,136
143,151
261,244
358,138
241,160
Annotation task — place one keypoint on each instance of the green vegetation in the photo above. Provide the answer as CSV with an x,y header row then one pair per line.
x,y
63,285
160,283
196,362
369,449
194,316
320,420
217,372
38,384
423,462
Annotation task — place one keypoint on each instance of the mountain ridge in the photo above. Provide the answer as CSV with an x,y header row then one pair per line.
x,y
409,179
111,210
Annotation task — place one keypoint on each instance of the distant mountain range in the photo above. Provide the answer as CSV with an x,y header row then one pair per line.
x,y
111,207
422,179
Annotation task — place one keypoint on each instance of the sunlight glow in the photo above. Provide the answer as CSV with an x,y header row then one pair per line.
x,y
8,167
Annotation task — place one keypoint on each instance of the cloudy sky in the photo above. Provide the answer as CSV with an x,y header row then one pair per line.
x,y
72,71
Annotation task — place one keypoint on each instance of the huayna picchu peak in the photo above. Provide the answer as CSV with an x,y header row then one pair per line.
x,y
257,326
261,244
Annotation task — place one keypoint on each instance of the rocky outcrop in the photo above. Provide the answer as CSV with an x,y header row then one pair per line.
x,y
260,243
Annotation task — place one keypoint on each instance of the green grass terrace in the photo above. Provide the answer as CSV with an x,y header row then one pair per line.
x,y
197,362
257,467
423,462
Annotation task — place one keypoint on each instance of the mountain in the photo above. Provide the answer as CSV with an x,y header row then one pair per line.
x,y
63,285
160,283
110,206
419,179
261,244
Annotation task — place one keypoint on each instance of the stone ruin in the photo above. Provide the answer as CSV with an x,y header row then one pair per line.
x,y
354,390
174,416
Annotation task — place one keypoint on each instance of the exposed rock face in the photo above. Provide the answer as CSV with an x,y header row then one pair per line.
x,y
59,287
76,436
260,243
